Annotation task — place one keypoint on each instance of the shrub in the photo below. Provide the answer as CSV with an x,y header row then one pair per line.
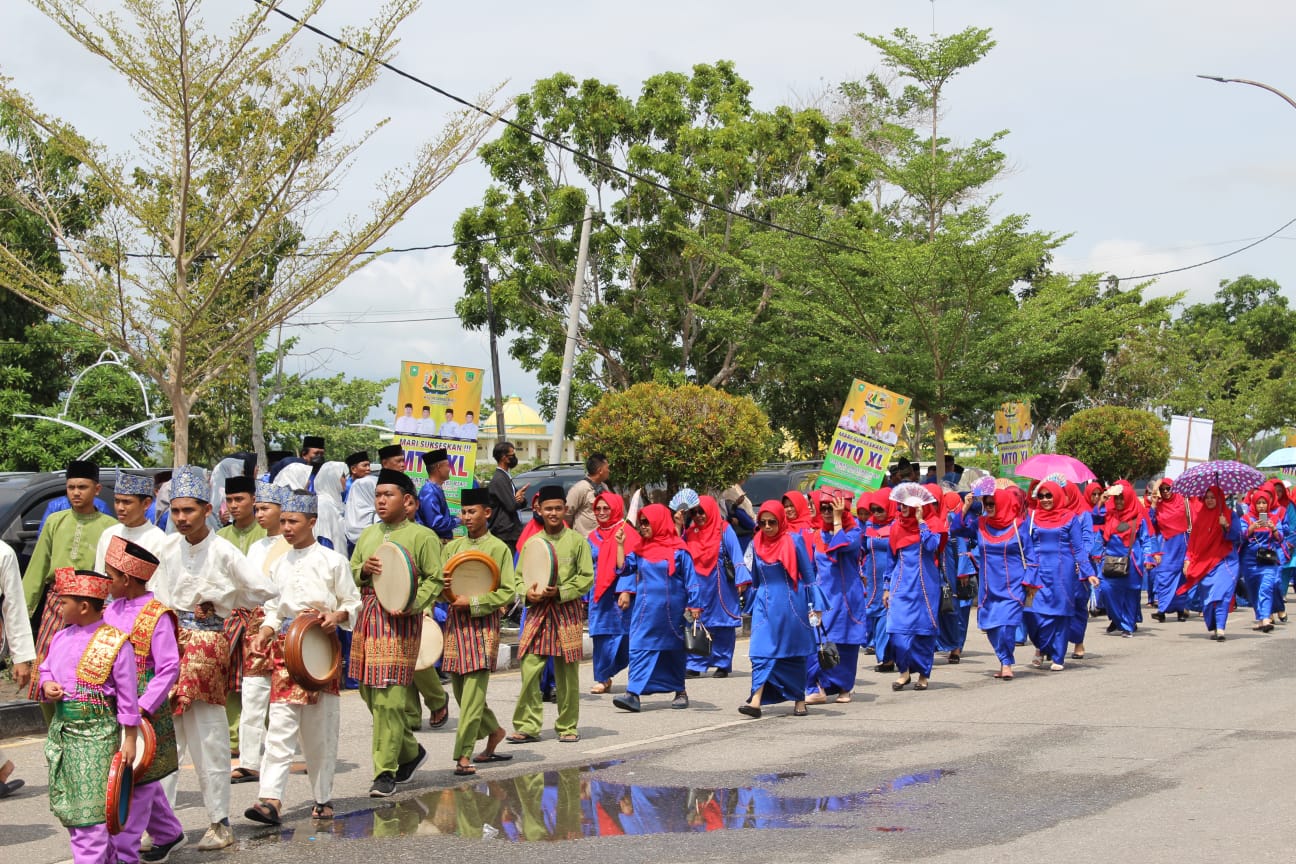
x,y
1116,442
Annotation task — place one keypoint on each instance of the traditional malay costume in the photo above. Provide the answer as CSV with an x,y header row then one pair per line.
x,y
957,566
718,563
210,571
95,665
1125,538
67,540
836,556
313,581
783,593
913,594
152,629
242,538
1260,555
1170,517
145,534
1212,560
472,636
661,578
385,646
434,510
875,565
554,628
1062,547
239,627
609,624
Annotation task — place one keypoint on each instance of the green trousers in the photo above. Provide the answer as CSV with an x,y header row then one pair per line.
x,y
529,713
476,719
427,683
233,711
393,742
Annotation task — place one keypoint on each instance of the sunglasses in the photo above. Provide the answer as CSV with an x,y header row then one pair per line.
x,y
1047,496
697,512
642,523
765,522
825,508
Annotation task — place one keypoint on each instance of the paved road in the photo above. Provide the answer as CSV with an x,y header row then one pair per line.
x,y
1165,747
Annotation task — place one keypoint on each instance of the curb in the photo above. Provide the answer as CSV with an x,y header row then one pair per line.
x,y
21,717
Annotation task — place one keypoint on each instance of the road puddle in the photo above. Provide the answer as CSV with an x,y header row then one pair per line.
x,y
575,803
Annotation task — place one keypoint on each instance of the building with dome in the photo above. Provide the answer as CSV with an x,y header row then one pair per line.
x,y
526,430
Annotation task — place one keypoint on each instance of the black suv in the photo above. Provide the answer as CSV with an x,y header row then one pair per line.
x,y
24,497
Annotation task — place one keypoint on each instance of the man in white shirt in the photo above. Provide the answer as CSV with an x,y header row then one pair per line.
x,y
359,511
206,578
132,496
449,428
468,428
317,582
17,629
406,422
426,425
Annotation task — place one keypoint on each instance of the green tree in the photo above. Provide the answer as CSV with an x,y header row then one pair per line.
x,y
246,139
677,436
1116,442
673,286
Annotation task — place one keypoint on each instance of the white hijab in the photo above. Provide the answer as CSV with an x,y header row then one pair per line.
x,y
294,476
359,513
328,493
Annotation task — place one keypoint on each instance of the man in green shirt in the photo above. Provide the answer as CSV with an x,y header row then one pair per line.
x,y
472,635
69,539
385,645
554,626
240,500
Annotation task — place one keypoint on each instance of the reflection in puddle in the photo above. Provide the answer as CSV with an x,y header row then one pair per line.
x,y
573,803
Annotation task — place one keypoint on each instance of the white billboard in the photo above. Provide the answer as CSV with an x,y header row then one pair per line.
x,y
1190,443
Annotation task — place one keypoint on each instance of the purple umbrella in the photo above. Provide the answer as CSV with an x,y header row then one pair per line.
x,y
1040,466
1233,478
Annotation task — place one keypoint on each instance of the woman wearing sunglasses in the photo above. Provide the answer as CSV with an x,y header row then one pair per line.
x,y
722,579
1061,539
875,564
785,605
836,551
913,591
660,579
609,624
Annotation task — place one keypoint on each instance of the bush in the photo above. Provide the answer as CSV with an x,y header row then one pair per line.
x,y
687,435
1116,442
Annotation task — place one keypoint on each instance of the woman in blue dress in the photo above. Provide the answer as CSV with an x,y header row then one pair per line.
x,y
875,565
1170,519
785,604
1126,554
836,551
609,624
957,567
1260,556
1061,543
913,592
1091,514
1007,563
1212,560
718,562
659,577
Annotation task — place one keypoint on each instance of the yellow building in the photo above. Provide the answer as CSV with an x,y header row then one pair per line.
x,y
526,430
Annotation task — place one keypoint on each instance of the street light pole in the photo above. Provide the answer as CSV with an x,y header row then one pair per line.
x,y
1261,85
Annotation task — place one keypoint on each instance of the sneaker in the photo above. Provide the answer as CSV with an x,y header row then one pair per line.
x,y
1125,634
218,836
680,701
146,842
383,786
627,702
406,769
158,852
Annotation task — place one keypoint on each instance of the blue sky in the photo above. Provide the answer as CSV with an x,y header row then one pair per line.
x,y
1113,140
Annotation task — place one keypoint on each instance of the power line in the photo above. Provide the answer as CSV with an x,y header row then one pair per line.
x,y
659,185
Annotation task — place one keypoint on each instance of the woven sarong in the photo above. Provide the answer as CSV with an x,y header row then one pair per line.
x,y
204,669
51,623
553,630
384,646
470,643
79,748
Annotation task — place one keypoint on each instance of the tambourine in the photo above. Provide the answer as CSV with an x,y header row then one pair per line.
x,y
397,584
312,657
121,782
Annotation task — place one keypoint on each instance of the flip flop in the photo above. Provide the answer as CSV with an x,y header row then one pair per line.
x,y
519,738
443,713
464,771
317,812
749,711
571,738
263,812
243,775
493,757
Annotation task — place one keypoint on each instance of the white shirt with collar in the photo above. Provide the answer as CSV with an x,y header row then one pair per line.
x,y
211,571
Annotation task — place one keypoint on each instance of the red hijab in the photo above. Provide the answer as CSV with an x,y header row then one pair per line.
x,y
1265,492
704,542
880,526
535,526
1207,544
665,540
1057,515
605,575
1172,512
817,499
781,548
905,530
804,517
1007,508
1131,514
936,515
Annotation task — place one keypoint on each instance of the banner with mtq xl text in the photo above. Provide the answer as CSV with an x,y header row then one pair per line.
x,y
866,436
437,406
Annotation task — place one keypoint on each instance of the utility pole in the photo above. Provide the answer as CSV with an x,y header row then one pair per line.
x,y
573,329
494,351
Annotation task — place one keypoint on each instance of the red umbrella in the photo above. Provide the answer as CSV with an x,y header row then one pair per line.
x,y
1040,466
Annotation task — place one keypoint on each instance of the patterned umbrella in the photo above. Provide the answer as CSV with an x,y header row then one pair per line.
x,y
1232,477
1041,465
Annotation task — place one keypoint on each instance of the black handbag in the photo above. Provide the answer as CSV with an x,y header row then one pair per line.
x,y
697,638
1266,557
968,587
1115,566
947,598
730,573
829,656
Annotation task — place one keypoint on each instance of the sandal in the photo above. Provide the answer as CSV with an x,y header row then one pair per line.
x,y
443,713
749,710
464,770
569,738
522,738
317,812
244,775
263,812
600,688
920,685
800,712
843,698
899,685
491,757
954,658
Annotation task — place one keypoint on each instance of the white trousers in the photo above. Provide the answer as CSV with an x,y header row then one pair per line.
x,y
252,722
312,727
203,729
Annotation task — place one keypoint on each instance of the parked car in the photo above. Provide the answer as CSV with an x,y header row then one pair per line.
x,y
24,496
564,474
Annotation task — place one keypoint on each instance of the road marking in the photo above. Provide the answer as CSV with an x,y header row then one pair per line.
x,y
673,735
